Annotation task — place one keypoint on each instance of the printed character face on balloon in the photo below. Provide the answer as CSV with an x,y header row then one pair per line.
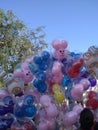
x,y
24,73
59,47
91,60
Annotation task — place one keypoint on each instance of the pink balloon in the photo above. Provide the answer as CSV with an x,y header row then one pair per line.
x,y
27,74
24,73
58,78
59,47
77,108
45,100
69,118
77,92
51,111
42,126
51,124
57,72
18,73
85,82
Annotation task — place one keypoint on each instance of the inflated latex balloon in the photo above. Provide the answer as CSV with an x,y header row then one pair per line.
x,y
51,111
5,122
59,47
56,87
57,72
30,111
45,55
59,96
91,95
40,85
69,119
24,73
77,92
8,100
92,81
6,105
85,82
77,108
47,125
42,61
28,100
92,103
45,100
42,126
74,70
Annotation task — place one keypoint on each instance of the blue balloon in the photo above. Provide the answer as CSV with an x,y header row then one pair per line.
x,y
66,81
36,83
42,88
8,101
30,111
45,55
41,76
6,122
28,100
19,112
37,60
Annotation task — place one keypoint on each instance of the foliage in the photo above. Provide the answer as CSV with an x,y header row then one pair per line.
x,y
17,41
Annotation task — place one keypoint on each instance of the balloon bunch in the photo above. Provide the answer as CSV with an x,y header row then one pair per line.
x,y
49,90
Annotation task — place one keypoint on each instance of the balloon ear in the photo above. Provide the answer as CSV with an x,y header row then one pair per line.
x,y
18,73
64,44
24,66
55,44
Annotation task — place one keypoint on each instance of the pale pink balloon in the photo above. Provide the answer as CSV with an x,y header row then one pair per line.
x,y
27,74
77,92
57,72
77,108
85,82
51,124
51,111
69,118
42,126
18,73
56,68
58,78
45,100
24,73
59,47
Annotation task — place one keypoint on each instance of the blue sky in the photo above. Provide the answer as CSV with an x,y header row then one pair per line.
x,y
73,20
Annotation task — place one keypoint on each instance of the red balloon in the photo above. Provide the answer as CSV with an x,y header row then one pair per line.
x,y
73,72
92,103
91,94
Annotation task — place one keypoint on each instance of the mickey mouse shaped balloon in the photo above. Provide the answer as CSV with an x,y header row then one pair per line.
x,y
59,47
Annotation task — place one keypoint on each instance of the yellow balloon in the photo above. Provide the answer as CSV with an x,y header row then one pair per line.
x,y
56,87
59,97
